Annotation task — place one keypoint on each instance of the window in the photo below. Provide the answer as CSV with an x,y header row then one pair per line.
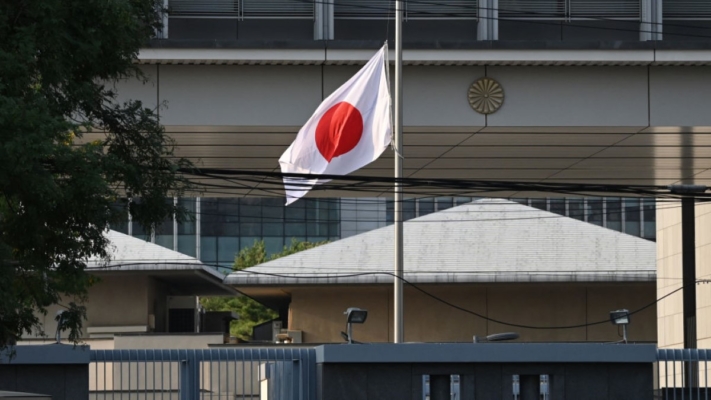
x,y
632,216
613,213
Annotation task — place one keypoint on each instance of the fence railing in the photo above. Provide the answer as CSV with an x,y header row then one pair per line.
x,y
683,374
225,373
289,373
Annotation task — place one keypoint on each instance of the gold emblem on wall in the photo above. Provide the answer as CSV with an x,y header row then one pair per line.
x,y
486,96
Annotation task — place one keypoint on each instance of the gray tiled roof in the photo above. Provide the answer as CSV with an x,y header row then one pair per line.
x,y
489,240
125,249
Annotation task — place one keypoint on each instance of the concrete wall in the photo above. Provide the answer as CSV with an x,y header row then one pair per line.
x,y
318,312
55,370
669,275
285,96
116,301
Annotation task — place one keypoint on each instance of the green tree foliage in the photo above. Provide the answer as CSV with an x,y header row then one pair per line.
x,y
250,312
69,151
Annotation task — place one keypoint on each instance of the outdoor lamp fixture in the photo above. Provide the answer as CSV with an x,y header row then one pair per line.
x,y
496,337
621,317
354,315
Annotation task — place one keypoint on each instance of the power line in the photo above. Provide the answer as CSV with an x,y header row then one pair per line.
x,y
428,294
530,13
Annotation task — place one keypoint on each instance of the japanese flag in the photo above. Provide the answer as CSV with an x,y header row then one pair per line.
x,y
349,130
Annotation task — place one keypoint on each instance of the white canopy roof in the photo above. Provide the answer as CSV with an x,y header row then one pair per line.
x,y
489,240
133,255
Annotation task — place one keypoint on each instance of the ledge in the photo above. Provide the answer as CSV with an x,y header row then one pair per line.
x,y
47,354
486,353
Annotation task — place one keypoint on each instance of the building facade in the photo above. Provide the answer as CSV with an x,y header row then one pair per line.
x,y
218,228
604,92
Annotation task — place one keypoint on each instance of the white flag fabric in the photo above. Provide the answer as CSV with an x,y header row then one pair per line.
x,y
349,130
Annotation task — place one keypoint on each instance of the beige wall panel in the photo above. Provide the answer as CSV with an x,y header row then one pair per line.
x,y
182,341
318,312
239,95
668,214
602,300
703,323
679,96
670,305
670,331
564,96
428,320
118,301
669,264
538,305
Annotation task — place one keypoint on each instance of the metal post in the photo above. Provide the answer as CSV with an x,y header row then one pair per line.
x,y
349,332
688,256
398,332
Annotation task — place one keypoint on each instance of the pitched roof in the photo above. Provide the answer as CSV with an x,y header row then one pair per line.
x,y
130,254
125,249
489,240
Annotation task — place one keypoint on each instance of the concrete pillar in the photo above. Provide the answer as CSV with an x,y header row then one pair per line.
x,y
488,28
650,27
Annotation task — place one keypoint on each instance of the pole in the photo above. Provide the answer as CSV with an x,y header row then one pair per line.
x,y
688,261
398,332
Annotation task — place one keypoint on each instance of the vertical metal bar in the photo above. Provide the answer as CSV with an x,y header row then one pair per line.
x,y
219,373
162,375
96,380
210,378
251,371
706,374
105,385
398,332
244,385
674,372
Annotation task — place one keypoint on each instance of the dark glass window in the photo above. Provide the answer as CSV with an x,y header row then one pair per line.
x,y
426,206
408,209
632,217
558,206
613,213
444,203
594,211
541,204
650,218
576,209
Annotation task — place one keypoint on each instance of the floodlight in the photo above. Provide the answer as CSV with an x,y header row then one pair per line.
x,y
621,317
354,315
496,337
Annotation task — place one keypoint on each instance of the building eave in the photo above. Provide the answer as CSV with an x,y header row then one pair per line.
x,y
475,53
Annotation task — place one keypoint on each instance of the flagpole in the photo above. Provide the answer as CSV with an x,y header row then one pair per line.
x,y
398,332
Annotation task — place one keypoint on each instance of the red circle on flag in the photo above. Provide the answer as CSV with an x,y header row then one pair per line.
x,y
339,130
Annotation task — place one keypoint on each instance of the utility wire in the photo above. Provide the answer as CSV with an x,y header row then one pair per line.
x,y
523,20
426,293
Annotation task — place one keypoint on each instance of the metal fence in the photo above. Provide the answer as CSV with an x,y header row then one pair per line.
x,y
289,373
214,374
682,374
